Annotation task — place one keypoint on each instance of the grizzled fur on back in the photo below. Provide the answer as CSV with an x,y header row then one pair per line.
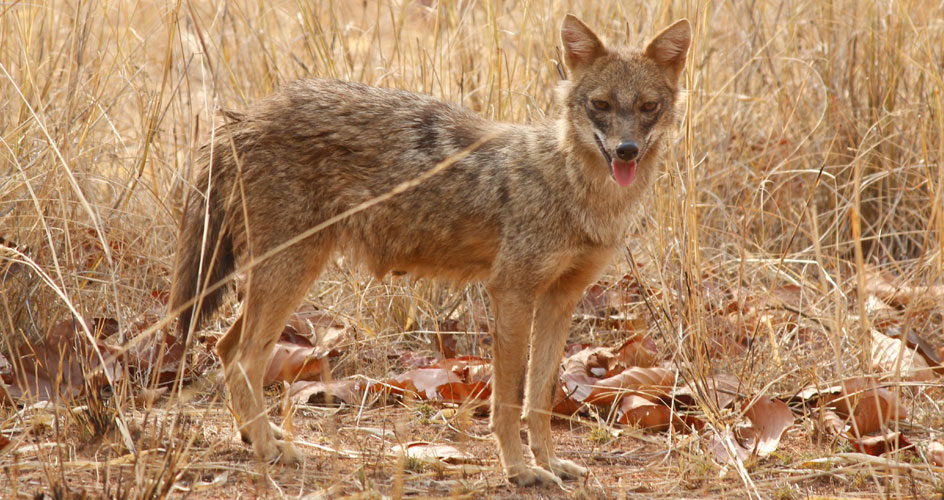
x,y
535,211
344,133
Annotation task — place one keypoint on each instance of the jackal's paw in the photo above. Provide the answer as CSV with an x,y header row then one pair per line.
x,y
528,475
566,469
277,431
279,451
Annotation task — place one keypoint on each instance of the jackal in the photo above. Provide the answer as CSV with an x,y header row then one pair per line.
x,y
536,211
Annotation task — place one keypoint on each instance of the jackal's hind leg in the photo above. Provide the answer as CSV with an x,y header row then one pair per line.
x,y
273,291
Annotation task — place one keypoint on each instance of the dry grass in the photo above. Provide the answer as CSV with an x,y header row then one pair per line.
x,y
812,153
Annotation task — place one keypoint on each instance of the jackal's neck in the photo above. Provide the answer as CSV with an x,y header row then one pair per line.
x,y
604,207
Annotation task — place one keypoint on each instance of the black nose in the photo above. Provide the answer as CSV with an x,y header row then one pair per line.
x,y
627,150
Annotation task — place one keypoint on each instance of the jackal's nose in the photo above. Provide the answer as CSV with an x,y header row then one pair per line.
x,y
627,150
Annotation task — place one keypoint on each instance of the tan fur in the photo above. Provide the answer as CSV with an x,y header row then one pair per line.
x,y
534,211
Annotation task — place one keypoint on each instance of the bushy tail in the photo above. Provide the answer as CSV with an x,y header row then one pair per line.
x,y
196,260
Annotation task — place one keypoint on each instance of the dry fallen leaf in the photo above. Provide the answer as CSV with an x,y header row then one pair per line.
x,y
639,350
301,352
319,327
459,392
828,422
588,368
653,383
292,362
871,406
770,418
347,391
562,403
936,453
882,284
894,357
725,447
63,360
919,346
425,382
430,452
581,371
643,413
441,384
410,360
879,444
468,368
160,357
720,389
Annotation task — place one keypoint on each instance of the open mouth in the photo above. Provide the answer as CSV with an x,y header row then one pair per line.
x,y
623,172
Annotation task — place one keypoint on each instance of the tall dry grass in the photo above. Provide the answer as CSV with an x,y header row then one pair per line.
x,y
811,153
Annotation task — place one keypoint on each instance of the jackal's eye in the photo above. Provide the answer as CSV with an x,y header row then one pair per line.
x,y
649,107
600,105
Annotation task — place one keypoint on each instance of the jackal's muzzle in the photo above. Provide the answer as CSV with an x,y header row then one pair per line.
x,y
623,167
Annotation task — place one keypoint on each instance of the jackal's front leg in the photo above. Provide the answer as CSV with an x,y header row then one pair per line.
x,y
513,313
551,328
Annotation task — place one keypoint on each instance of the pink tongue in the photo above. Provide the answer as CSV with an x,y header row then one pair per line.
x,y
624,172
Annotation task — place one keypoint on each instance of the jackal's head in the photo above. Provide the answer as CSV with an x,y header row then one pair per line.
x,y
619,104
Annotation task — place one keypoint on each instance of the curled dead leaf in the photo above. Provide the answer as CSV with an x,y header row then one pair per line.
x,y
319,329
64,361
719,389
602,371
301,352
653,383
442,383
433,452
883,285
468,368
347,391
424,382
563,404
460,392
725,447
870,405
770,418
640,412
936,453
919,346
893,356
640,350
292,362
828,422
882,443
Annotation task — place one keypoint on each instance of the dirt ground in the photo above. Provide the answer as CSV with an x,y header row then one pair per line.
x,y
350,455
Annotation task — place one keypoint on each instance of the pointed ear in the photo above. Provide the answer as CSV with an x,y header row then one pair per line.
x,y
581,44
669,48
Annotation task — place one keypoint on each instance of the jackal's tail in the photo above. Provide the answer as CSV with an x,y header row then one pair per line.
x,y
204,259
